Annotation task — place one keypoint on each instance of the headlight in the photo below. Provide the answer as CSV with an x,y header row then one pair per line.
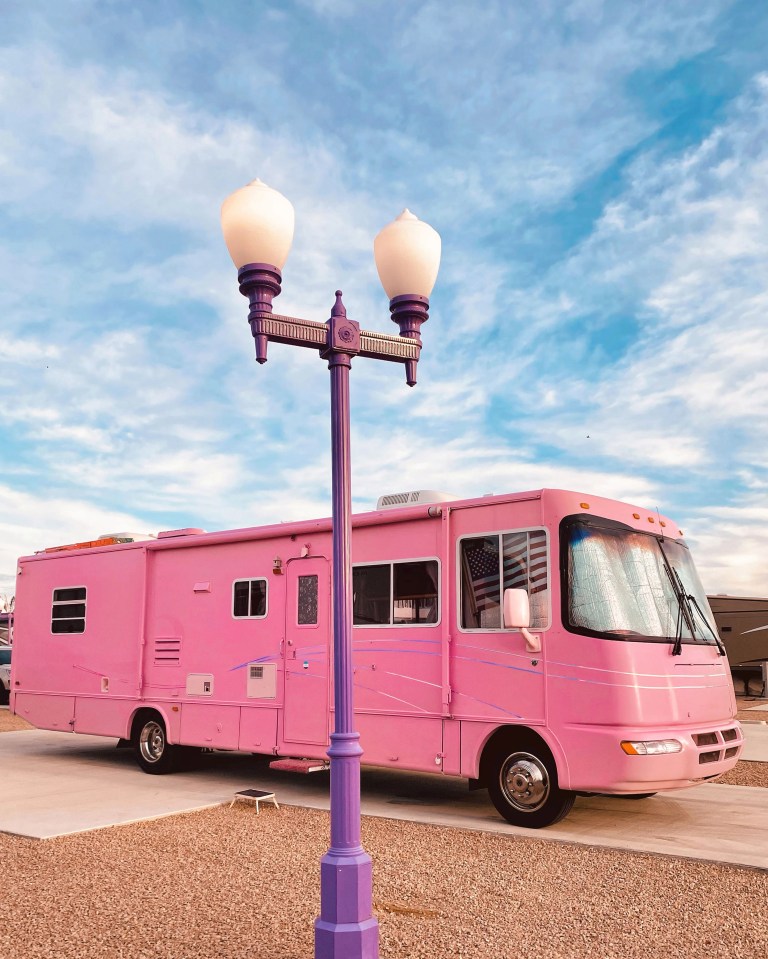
x,y
656,748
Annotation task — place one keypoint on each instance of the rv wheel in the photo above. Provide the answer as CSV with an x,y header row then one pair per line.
x,y
523,787
153,752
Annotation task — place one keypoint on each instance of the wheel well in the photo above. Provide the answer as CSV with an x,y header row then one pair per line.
x,y
505,739
141,716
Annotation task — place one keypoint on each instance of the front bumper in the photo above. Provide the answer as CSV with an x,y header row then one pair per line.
x,y
597,763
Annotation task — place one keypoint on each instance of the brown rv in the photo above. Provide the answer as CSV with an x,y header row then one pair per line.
x,y
742,622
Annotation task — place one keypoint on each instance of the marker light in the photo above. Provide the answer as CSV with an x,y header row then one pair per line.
x,y
656,748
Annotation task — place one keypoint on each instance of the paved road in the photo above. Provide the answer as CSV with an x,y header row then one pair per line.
x,y
56,783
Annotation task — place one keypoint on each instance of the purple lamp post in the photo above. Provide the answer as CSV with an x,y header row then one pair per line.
x,y
258,229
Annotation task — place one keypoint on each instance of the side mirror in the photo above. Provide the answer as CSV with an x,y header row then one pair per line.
x,y
517,615
517,610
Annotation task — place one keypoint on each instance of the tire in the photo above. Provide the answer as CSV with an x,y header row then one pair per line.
x,y
523,785
153,752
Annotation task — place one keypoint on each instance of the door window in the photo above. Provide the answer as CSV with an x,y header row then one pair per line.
x,y
306,614
498,561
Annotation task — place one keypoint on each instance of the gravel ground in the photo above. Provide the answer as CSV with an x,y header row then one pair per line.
x,y
747,774
10,723
747,714
228,884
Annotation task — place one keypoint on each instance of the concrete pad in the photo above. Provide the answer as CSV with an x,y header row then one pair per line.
x,y
59,783
755,742
762,707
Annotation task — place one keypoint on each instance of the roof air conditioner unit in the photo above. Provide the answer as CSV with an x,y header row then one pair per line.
x,y
413,498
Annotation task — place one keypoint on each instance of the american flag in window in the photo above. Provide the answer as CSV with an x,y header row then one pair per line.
x,y
521,558
481,583
525,567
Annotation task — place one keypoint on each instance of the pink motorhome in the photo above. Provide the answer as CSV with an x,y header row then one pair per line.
x,y
542,644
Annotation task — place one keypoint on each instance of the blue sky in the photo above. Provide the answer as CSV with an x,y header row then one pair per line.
x,y
598,173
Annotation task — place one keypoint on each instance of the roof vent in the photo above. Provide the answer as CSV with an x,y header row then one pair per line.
x,y
414,498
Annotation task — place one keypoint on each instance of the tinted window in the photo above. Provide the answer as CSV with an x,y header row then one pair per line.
x,y
249,599
415,592
68,610
371,588
67,595
399,594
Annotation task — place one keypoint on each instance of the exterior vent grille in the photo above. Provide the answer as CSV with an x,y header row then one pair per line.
x,y
167,651
395,499
257,672
729,735
706,739
710,757
731,751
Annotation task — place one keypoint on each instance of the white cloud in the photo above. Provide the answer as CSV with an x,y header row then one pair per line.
x,y
25,351
542,89
32,522
729,546
690,390
128,367
473,466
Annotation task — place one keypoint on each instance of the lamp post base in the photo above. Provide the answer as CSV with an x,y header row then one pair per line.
x,y
347,940
345,928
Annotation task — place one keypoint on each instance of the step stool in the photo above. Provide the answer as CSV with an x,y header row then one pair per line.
x,y
254,796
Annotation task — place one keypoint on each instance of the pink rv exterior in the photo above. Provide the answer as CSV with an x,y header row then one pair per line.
x,y
223,640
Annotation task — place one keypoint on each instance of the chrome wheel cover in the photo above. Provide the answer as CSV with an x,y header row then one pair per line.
x,y
152,742
525,782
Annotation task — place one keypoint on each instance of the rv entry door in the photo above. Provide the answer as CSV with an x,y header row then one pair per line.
x,y
307,658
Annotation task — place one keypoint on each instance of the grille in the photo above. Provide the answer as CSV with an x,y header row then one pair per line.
x,y
717,737
257,672
705,739
395,499
167,651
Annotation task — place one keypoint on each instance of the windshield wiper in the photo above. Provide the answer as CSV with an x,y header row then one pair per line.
x,y
684,610
695,604
687,606
678,646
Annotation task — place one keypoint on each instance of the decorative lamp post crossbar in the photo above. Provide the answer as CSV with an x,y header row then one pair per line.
x,y
258,229
297,332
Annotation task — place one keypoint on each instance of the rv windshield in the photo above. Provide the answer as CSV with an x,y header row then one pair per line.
x,y
620,583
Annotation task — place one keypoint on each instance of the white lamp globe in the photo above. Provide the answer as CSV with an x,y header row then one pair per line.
x,y
257,223
407,254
